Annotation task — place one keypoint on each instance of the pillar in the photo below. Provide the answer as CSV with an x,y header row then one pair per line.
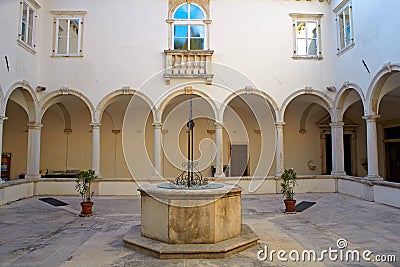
x,y
279,149
33,158
337,149
2,119
96,148
372,147
157,151
219,158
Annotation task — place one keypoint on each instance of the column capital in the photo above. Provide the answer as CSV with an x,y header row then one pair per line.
x,y
95,125
157,125
371,117
34,125
218,125
337,124
3,118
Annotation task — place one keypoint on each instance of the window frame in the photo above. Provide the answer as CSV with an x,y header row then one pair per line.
x,y
204,22
24,38
68,16
339,10
306,18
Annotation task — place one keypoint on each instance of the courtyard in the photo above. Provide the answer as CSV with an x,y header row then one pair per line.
x,y
35,233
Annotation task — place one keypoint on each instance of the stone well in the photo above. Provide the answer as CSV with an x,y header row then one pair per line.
x,y
185,223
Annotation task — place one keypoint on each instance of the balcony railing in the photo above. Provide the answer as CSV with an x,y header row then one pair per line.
x,y
192,64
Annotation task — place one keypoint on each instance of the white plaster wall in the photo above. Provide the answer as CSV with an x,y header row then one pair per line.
x,y
23,64
17,191
137,141
302,148
64,187
130,55
80,141
53,144
254,38
118,188
374,44
245,38
387,195
117,51
356,188
112,160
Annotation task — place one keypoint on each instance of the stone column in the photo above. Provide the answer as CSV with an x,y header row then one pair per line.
x,y
279,149
219,157
96,148
33,158
337,149
2,119
157,151
372,147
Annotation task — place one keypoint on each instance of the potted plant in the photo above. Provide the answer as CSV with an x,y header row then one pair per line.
x,y
83,183
288,183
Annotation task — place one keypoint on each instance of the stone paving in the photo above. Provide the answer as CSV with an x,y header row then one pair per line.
x,y
34,233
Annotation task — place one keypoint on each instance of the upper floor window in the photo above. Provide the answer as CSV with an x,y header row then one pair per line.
x,y
189,28
188,55
26,36
344,25
68,28
306,36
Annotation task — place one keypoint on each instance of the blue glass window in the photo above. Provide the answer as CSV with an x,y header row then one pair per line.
x,y
189,29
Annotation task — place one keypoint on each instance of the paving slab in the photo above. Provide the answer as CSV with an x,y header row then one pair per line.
x,y
34,233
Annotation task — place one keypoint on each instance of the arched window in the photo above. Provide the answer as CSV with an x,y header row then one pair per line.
x,y
189,29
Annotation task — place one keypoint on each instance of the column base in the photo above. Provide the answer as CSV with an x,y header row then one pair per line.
x,y
338,173
218,175
373,178
32,176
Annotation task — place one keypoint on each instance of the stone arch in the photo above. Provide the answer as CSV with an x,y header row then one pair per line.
x,y
304,116
249,116
321,99
101,107
163,102
373,96
52,98
270,101
66,115
31,104
203,5
342,96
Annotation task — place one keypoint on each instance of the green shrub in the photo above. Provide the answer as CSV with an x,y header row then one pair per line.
x,y
289,182
85,178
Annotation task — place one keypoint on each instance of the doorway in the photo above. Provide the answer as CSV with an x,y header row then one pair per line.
x,y
348,153
238,160
393,162
392,147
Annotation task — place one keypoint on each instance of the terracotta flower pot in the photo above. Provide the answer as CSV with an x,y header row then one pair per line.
x,y
290,205
86,208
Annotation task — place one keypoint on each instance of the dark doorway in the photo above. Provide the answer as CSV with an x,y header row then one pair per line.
x,y
393,162
328,152
347,153
392,138
239,162
347,140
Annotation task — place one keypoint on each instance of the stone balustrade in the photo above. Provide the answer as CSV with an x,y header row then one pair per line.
x,y
181,64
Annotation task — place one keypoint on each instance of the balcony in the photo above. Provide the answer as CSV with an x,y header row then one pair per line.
x,y
188,64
